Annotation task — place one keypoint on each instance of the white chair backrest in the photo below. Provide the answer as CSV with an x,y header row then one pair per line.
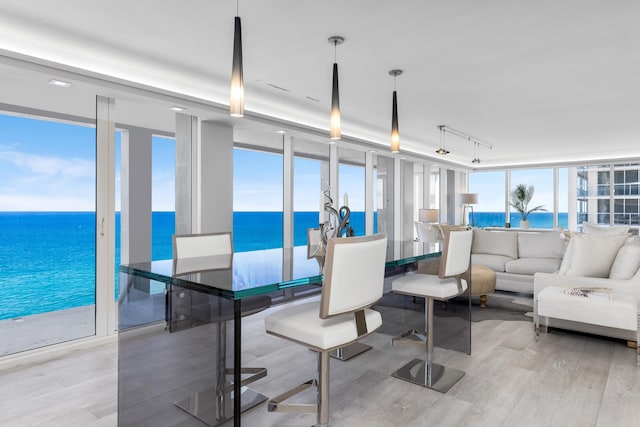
x,y
456,255
353,274
201,245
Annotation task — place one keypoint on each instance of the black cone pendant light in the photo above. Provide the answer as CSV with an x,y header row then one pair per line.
x,y
395,132
335,131
236,103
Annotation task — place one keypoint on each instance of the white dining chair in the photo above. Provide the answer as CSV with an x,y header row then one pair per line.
x,y
353,282
449,283
199,254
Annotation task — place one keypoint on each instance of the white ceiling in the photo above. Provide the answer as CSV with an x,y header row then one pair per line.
x,y
543,81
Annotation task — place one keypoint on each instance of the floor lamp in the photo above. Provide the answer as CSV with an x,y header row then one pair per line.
x,y
468,199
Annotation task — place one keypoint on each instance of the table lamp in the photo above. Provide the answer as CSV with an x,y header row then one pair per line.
x,y
468,199
428,215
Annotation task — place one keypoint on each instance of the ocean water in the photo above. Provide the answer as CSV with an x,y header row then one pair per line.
x,y
47,259
536,219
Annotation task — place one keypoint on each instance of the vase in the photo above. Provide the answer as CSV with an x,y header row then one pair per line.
x,y
524,224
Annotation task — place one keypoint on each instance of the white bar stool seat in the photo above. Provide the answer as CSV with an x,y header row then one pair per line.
x,y
353,282
455,263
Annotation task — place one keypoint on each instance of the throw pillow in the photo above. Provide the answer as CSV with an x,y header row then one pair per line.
x,y
627,260
503,243
599,229
592,254
545,244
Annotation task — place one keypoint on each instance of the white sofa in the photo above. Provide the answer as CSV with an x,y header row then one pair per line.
x,y
615,263
516,256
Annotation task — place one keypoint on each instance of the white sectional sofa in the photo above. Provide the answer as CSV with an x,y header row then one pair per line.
x,y
516,256
598,261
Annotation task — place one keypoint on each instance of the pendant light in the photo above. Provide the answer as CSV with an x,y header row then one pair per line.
x,y
335,131
395,133
236,103
442,151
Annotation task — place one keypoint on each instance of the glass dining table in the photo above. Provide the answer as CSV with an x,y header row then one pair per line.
x,y
180,322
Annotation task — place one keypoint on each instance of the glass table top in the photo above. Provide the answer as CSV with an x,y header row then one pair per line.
x,y
258,272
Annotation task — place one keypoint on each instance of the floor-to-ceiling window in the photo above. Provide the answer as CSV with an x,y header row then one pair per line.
x,y
257,199
310,164
541,182
163,178
609,195
490,209
47,232
563,198
351,187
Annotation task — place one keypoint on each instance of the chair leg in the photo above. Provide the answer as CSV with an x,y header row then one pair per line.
x,y
424,372
321,407
323,388
429,325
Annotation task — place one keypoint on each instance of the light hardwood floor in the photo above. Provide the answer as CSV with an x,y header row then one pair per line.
x,y
564,379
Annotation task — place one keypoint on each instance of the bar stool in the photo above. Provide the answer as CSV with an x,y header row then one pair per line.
x,y
212,253
353,282
449,283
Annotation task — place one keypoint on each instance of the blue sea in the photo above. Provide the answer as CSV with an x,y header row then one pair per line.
x,y
536,219
47,259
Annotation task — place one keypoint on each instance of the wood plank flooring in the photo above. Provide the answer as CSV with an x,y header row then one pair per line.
x,y
565,379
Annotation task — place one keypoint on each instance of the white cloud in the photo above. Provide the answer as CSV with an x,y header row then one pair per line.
x,y
45,183
50,166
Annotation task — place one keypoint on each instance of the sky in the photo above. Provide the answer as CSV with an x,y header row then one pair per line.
x,y
258,177
46,166
490,188
50,166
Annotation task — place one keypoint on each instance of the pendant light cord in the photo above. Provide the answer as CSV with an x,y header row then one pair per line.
x,y
237,8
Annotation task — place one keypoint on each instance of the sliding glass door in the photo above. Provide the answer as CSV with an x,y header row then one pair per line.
x,y
47,231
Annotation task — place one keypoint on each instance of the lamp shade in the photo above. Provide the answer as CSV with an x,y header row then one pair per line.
x,y
428,215
469,198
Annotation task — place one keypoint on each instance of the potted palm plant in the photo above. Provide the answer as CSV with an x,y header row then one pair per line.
x,y
520,198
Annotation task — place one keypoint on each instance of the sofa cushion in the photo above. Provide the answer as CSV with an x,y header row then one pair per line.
x,y
547,244
494,262
627,261
532,265
589,228
503,243
591,255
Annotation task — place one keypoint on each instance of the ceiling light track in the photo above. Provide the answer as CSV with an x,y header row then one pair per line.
x,y
463,135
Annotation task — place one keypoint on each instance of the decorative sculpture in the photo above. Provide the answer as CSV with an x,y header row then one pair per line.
x,y
336,225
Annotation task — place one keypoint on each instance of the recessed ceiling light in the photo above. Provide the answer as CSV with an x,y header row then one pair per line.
x,y
281,131
59,83
176,108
